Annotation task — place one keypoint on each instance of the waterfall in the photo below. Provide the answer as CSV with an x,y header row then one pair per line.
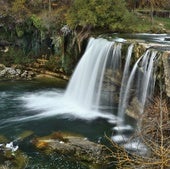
x,y
99,83
123,83
86,83
138,83
102,62
112,77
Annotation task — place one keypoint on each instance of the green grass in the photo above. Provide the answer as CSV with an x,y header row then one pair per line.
x,y
164,21
143,24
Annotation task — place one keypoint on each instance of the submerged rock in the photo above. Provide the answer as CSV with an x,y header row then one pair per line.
x,y
76,147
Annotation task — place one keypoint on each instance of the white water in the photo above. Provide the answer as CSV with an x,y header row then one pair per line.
x,y
144,73
146,80
85,85
82,96
123,83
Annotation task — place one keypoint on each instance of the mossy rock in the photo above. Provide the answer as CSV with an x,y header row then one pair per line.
x,y
77,147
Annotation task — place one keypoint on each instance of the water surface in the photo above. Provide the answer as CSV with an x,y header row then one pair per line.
x,y
38,106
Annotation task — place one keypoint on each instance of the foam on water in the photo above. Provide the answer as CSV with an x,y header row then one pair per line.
x,y
53,103
123,128
120,138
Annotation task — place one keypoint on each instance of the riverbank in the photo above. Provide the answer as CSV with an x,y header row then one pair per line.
x,y
29,72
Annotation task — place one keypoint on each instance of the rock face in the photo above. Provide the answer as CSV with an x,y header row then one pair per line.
x,y
166,65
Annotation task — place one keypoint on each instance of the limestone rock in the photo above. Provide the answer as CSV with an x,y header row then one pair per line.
x,y
15,73
24,74
2,67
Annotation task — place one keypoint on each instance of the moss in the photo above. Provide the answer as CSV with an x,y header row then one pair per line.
x,y
3,139
20,161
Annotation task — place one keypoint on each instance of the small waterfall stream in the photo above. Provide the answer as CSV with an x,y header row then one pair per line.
x,y
123,83
143,75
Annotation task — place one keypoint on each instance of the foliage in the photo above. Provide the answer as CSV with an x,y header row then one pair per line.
x,y
53,64
14,56
164,21
57,42
35,31
108,14
19,31
36,22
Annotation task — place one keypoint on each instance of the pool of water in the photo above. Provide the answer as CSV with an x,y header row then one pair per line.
x,y
36,106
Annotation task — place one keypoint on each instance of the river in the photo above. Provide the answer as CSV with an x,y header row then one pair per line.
x,y
15,119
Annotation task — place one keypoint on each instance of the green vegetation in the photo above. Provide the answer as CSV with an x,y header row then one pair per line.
x,y
14,56
108,14
53,64
34,28
164,21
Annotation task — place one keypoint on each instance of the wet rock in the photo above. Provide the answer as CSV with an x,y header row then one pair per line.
x,y
76,147
134,109
10,155
9,73
167,39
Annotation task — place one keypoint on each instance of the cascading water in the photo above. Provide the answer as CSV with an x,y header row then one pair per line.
x,y
143,74
124,80
86,83
112,77
135,90
82,98
100,66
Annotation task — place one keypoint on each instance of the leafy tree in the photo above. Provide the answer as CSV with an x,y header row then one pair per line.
x,y
108,14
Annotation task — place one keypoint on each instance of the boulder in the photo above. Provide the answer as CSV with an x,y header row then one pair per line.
x,y
76,147
2,66
13,72
3,72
